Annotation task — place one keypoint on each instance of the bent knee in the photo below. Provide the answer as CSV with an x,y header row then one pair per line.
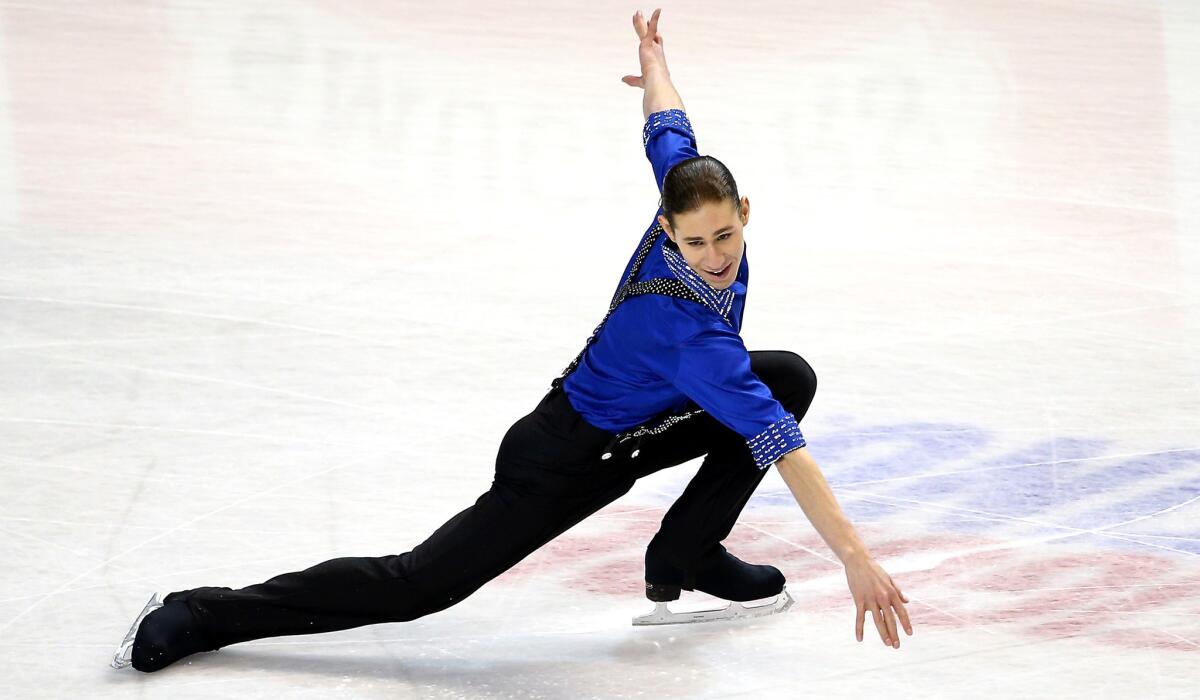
x,y
804,374
790,377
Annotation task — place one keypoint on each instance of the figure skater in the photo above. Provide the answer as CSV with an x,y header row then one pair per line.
x,y
664,379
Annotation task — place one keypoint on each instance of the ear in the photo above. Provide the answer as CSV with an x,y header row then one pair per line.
x,y
662,221
745,210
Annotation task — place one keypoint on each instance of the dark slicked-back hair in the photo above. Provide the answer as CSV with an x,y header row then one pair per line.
x,y
693,182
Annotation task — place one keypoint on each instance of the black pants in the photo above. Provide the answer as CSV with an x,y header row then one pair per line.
x,y
549,476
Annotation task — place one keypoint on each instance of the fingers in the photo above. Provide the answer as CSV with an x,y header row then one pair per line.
x,y
643,30
858,624
893,637
875,591
888,631
885,623
880,625
903,613
634,81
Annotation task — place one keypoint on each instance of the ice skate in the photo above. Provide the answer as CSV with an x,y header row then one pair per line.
x,y
163,633
753,590
124,655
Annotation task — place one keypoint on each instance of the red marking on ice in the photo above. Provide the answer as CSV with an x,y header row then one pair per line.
x,y
1005,588
1148,639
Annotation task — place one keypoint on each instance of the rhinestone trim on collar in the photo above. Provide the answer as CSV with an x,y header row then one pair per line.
x,y
719,300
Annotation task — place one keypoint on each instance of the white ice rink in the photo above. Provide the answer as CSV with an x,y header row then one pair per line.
x,y
276,277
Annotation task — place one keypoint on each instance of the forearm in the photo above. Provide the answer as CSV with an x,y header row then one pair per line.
x,y
803,477
660,92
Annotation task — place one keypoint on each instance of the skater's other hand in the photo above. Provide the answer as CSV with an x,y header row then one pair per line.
x,y
650,50
876,592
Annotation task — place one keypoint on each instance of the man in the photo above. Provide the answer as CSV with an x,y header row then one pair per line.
x,y
667,370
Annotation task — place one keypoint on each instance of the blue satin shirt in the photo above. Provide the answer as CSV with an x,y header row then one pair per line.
x,y
660,353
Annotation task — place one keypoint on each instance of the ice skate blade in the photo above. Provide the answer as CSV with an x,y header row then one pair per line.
x,y
662,615
124,655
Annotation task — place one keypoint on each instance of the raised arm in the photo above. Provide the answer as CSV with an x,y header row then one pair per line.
x,y
667,136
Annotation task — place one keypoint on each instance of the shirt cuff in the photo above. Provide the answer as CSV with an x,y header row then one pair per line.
x,y
778,439
667,118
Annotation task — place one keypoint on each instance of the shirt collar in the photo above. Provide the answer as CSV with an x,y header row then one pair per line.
x,y
719,300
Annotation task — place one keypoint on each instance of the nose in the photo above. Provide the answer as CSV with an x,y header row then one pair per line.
x,y
714,260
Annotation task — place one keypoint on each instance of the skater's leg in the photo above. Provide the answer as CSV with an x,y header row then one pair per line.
x,y
790,378
548,477
478,544
705,513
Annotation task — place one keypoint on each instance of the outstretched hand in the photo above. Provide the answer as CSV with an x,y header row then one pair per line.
x,y
650,50
875,592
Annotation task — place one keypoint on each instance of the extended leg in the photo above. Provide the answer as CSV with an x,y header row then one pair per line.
x,y
476,545
548,478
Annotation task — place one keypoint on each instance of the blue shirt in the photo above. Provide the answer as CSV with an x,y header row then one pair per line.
x,y
655,352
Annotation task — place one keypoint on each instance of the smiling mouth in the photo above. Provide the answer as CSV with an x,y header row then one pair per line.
x,y
720,272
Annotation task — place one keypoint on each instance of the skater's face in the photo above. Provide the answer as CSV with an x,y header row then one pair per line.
x,y
710,239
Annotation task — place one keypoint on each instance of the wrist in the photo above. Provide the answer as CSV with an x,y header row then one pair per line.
x,y
851,555
656,74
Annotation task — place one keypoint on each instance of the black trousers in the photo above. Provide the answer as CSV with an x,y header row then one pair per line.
x,y
549,476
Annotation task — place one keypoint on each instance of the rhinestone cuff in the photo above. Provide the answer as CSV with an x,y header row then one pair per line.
x,y
658,121
779,438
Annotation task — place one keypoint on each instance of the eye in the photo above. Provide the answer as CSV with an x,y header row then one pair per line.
x,y
697,244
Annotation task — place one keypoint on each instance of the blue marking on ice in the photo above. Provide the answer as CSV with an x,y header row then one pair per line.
x,y
1066,481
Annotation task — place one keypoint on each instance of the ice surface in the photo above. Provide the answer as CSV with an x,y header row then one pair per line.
x,y
276,277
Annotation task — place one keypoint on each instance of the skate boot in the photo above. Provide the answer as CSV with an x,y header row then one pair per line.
x,y
160,636
723,576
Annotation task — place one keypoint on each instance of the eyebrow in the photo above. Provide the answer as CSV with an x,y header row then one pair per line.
x,y
715,233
